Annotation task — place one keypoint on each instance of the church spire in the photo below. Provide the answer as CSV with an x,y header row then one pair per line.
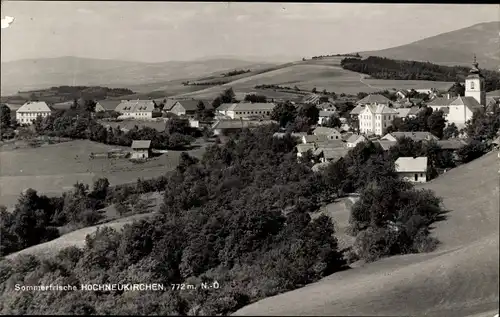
x,y
475,66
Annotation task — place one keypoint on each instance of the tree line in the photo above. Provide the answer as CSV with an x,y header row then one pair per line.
x,y
385,68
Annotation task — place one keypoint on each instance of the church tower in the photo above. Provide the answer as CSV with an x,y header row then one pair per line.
x,y
474,84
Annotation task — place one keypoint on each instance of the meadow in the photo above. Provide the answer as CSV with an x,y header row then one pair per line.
x,y
52,169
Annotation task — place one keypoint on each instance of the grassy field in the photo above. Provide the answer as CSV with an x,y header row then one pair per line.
x,y
52,169
320,74
461,278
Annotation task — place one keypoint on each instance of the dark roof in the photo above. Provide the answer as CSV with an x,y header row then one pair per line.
x,y
441,101
239,124
108,104
191,105
451,144
141,144
375,98
469,102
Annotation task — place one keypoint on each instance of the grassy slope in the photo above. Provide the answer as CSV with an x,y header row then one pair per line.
x,y
54,168
320,74
453,48
461,278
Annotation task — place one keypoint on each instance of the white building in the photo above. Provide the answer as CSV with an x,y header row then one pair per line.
x,y
246,110
331,133
460,109
136,109
412,169
354,140
28,112
375,119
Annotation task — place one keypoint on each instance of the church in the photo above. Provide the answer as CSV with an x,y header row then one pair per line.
x,y
459,109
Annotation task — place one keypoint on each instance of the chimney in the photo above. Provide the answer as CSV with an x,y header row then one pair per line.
x,y
448,96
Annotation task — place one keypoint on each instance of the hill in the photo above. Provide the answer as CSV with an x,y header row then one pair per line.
x,y
452,48
325,73
43,73
461,278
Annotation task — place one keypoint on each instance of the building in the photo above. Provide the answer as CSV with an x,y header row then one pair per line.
x,y
298,135
375,119
303,148
386,145
329,154
140,149
311,138
226,127
412,169
356,111
415,136
407,113
247,110
354,140
107,105
188,107
459,110
28,112
136,109
324,116
311,99
327,106
374,100
330,133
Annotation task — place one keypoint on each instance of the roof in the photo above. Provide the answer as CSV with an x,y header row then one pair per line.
x,y
357,110
495,93
380,109
109,104
374,99
315,138
239,124
169,104
248,106
327,114
451,144
469,102
192,104
293,134
415,136
496,141
225,106
353,138
335,153
135,106
330,144
403,112
386,145
441,101
326,105
312,98
301,148
36,106
410,164
141,144
325,131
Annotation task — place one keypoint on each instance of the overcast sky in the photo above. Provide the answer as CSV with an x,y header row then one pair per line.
x,y
156,31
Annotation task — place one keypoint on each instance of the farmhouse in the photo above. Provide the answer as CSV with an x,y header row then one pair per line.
x,y
187,107
168,104
415,136
246,110
354,140
99,108
375,99
107,104
412,169
226,127
330,133
375,119
140,149
137,109
327,106
28,112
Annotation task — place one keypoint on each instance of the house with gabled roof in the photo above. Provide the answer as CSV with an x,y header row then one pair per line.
x,y
188,107
375,119
355,139
330,133
141,149
247,110
136,109
28,112
412,169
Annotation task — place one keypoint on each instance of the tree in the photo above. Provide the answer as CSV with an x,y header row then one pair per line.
x,y
228,96
451,131
314,90
436,123
362,95
333,122
255,98
457,89
309,112
5,117
284,113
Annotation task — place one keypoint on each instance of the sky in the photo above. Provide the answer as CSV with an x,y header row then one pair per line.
x,y
169,31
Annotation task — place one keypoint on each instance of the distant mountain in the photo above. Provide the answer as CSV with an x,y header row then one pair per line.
x,y
47,72
274,59
453,48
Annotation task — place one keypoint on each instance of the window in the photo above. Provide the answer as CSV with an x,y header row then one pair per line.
x,y
416,177
421,175
471,85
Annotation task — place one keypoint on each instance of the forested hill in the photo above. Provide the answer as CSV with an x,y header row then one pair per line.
x,y
68,93
385,68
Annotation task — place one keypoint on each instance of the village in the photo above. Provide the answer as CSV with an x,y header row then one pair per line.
x,y
369,118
